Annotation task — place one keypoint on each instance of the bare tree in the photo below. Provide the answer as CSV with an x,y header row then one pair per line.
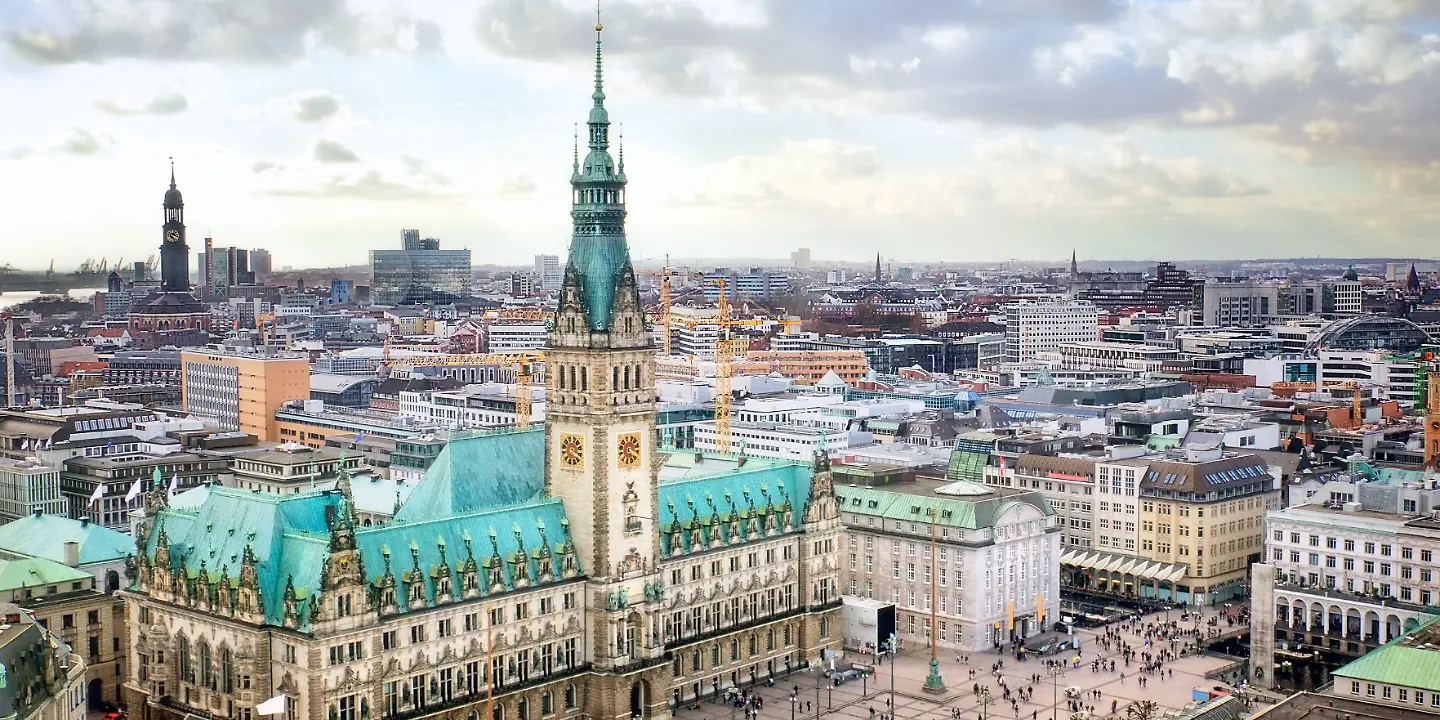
x,y
1142,710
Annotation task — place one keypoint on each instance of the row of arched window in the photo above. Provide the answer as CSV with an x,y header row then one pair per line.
x,y
216,672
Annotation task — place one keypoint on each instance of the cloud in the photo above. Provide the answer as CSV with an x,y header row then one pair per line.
x,y
261,166
170,103
313,106
518,186
255,31
1419,179
1010,174
83,142
419,168
369,184
332,152
1270,70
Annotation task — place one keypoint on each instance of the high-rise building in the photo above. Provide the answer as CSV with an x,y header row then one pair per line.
x,y
260,264
800,258
419,273
561,571
547,268
242,390
226,268
1036,327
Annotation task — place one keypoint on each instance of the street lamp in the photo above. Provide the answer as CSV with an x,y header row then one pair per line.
x,y
792,706
893,657
1055,671
984,703
933,682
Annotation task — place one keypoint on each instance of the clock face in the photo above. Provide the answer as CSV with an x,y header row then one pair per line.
x,y
627,450
572,451
172,235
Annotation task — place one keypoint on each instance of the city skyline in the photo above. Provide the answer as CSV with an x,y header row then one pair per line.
x,y
940,133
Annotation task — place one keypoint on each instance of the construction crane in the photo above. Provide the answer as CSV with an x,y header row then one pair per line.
x,y
726,348
521,361
260,320
9,359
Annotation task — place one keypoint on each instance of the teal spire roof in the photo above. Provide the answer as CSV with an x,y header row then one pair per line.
x,y
599,257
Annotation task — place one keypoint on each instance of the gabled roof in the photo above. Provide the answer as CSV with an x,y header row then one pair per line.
x,y
831,380
287,533
45,536
478,472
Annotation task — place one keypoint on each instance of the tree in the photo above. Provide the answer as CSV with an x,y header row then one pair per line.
x,y
1142,710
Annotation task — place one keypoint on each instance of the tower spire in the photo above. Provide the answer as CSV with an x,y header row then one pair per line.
x,y
172,172
620,168
599,95
575,163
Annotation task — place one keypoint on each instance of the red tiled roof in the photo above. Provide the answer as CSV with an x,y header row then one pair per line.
x,y
71,366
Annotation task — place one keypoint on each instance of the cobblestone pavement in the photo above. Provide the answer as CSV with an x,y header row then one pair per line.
x,y
911,702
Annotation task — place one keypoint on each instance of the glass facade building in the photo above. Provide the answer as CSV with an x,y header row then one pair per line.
x,y
421,275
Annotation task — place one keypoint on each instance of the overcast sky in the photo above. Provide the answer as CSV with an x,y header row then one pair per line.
x,y
925,129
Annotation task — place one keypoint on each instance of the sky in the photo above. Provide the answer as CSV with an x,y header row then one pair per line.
x,y
926,130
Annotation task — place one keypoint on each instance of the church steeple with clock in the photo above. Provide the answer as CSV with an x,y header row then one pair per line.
x,y
174,253
600,407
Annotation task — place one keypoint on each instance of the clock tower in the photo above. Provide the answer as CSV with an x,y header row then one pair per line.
x,y
600,427
174,253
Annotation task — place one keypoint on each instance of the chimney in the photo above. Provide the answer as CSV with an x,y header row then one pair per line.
x,y
72,553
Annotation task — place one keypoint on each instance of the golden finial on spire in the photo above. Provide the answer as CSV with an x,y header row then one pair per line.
x,y
598,26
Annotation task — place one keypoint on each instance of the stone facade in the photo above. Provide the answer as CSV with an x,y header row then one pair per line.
x,y
529,574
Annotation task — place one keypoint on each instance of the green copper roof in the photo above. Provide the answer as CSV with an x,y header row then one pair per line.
x,y
515,534
970,513
599,257
45,536
21,572
701,493
287,533
479,472
1399,662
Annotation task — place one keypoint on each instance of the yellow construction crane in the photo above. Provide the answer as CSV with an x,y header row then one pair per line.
x,y
726,348
260,320
521,361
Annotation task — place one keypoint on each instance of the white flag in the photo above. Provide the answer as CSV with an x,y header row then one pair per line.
x,y
99,493
174,484
273,706
134,491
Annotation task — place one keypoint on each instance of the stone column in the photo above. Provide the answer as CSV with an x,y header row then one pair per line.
x,y
1262,624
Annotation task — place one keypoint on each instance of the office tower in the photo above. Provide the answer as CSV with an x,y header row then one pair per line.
x,y
547,269
260,264
419,273
242,390
1036,327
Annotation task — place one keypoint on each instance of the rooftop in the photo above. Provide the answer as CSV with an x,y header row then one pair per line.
x,y
914,501
1316,706
44,536
1411,660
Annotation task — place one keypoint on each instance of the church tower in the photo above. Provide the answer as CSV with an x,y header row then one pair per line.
x,y
600,418
174,253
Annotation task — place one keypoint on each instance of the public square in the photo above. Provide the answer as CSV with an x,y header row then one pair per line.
x,y
912,702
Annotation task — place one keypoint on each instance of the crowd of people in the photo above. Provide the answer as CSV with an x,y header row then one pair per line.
x,y
1138,648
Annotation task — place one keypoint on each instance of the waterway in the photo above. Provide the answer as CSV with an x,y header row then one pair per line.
x,y
15,298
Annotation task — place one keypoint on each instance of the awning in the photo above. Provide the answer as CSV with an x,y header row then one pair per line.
x,y
1118,563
